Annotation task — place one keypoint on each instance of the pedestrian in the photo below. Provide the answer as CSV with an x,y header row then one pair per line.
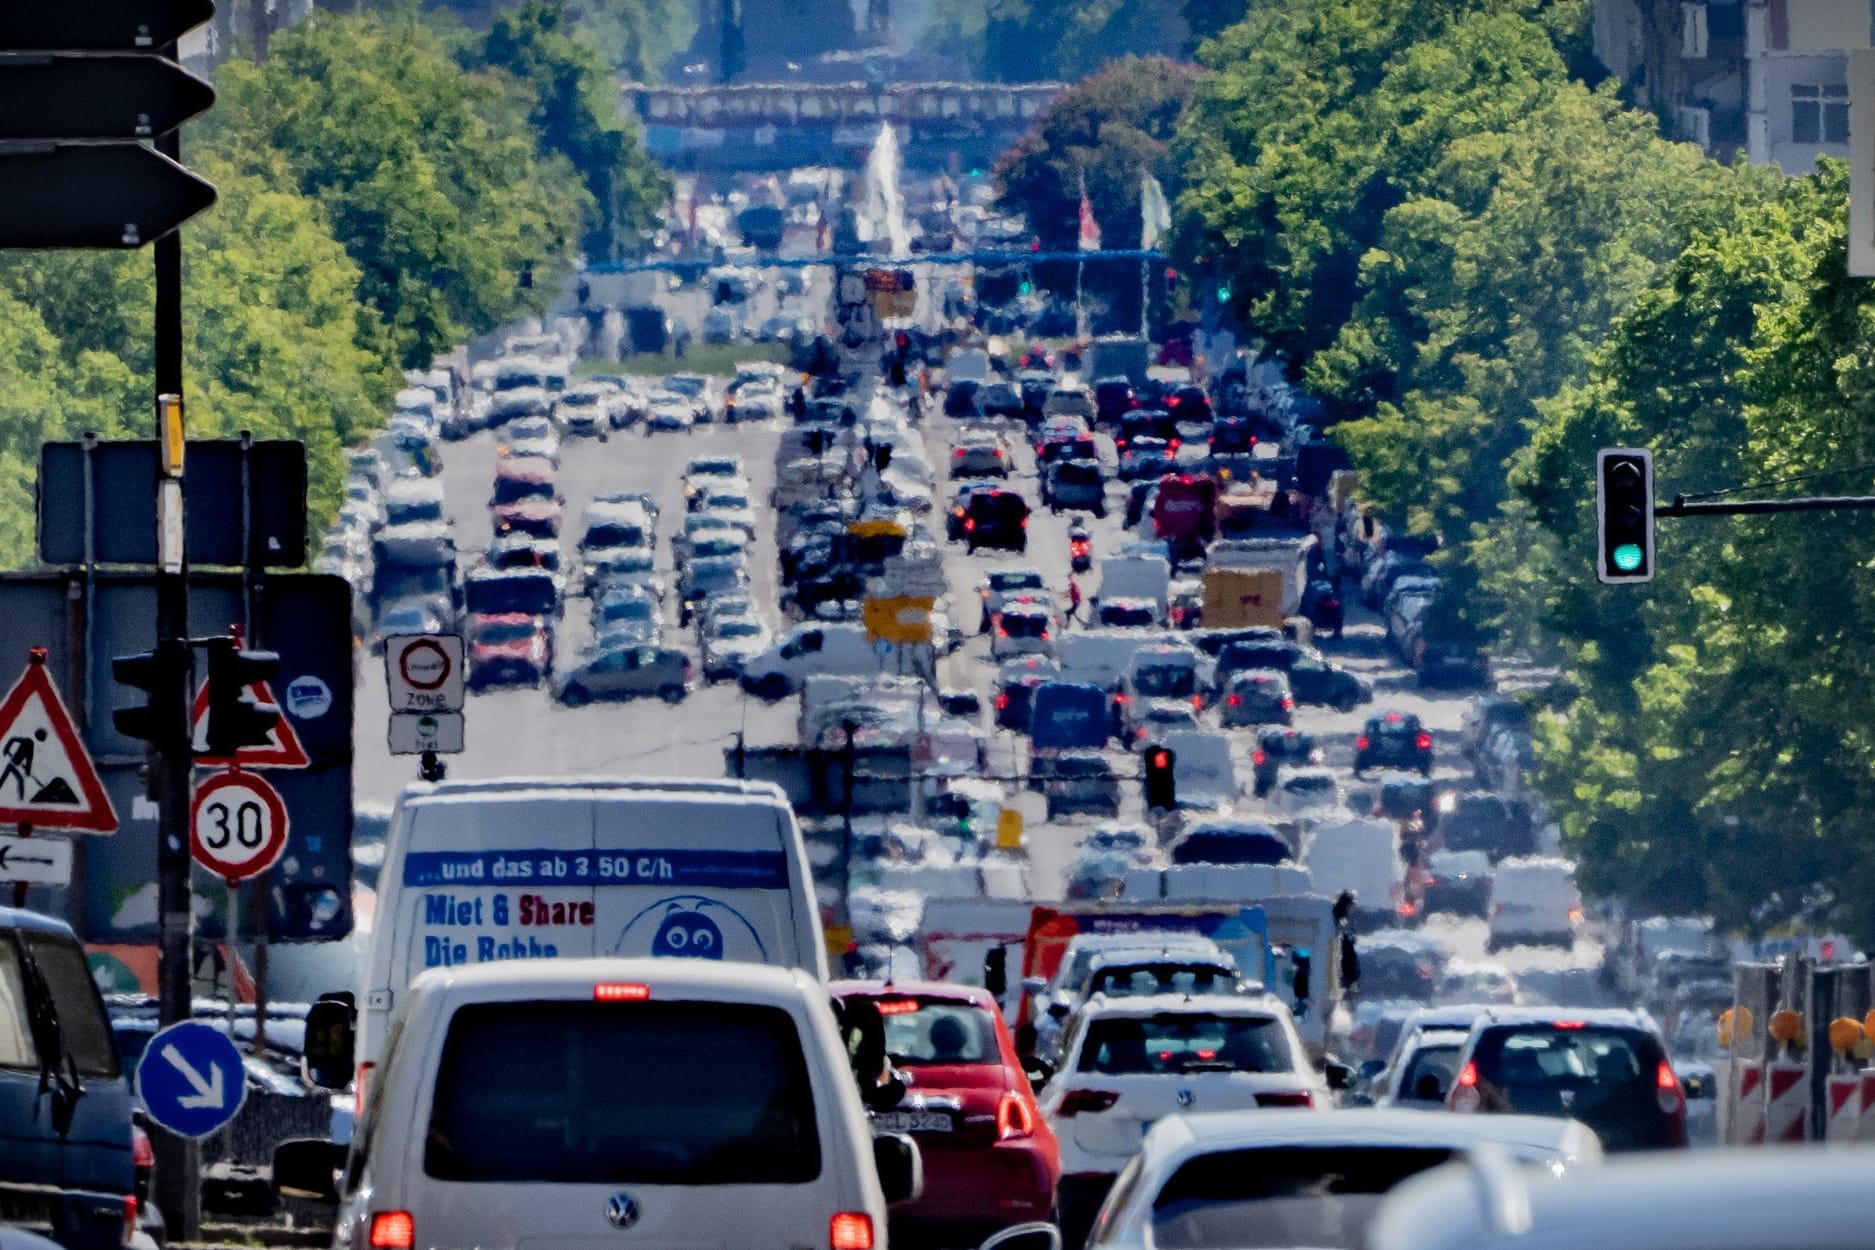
x,y
1074,598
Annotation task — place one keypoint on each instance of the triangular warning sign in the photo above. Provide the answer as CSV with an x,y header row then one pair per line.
x,y
283,749
46,777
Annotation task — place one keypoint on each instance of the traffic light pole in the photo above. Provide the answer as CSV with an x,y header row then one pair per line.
x,y
178,1161
1754,507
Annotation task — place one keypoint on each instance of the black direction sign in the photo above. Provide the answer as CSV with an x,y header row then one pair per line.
x,y
104,96
94,196
98,25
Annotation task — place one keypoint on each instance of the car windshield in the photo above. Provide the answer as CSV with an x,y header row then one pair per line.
x,y
1282,1196
1002,583
585,1093
737,629
924,1031
715,547
1201,847
1557,1057
614,534
1428,1073
515,489
1126,614
1186,1041
627,609
1025,625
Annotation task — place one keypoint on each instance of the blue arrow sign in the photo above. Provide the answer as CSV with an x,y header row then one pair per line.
x,y
191,1079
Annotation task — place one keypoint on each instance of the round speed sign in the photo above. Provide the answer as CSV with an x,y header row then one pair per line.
x,y
237,827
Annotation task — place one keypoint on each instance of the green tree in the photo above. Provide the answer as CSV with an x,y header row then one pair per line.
x,y
431,177
576,115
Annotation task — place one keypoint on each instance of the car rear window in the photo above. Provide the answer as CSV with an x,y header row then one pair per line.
x,y
1025,624
1551,1057
933,1031
1138,980
1166,681
1184,1042
1285,1196
1437,1062
656,1093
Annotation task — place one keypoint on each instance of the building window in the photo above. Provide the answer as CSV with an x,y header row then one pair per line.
x,y
1819,114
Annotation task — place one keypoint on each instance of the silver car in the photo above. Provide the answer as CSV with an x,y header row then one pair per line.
x,y
628,672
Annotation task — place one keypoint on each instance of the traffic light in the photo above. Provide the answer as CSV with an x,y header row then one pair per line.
x,y
235,718
163,674
1624,514
1161,786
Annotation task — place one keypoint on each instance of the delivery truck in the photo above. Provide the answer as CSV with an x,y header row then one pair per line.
x,y
1290,556
1242,598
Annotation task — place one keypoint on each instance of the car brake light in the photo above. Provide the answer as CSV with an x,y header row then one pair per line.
x,y
1567,1024
1407,909
1258,757
359,1082
850,1230
1465,1095
1360,743
1172,446
1172,402
142,1154
1293,1098
1002,702
1122,698
620,992
1667,1089
998,453
958,453
1423,742
130,1220
1013,1117
1394,718
1288,704
1025,522
1088,1100
1236,700
393,1230
970,523
1044,635
897,1006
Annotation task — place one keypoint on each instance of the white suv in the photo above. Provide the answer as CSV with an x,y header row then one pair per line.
x,y
1131,1061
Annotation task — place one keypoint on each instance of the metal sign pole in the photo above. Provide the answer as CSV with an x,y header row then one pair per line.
x,y
178,1164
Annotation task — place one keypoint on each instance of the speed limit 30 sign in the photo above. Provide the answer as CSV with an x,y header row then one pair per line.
x,y
237,827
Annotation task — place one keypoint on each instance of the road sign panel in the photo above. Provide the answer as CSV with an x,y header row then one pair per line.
x,y
423,672
46,775
101,195
100,25
414,733
35,861
110,96
191,1079
237,825
283,749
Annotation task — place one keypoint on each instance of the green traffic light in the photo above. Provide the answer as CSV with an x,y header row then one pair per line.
x,y
1627,557
1223,295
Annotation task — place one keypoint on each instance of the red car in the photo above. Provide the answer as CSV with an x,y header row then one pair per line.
x,y
509,649
990,1160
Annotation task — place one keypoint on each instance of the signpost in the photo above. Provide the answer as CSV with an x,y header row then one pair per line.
x,y
35,861
237,825
426,734
191,1079
97,95
46,775
281,750
423,672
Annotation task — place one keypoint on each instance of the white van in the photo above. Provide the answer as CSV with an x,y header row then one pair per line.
x,y
1101,656
482,871
561,1104
1534,901
807,650
1362,856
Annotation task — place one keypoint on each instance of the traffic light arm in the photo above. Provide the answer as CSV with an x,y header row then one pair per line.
x,y
1681,507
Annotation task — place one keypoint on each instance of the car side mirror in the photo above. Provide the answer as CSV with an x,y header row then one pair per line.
x,y
331,1038
900,1166
1339,1075
1038,1070
1025,1237
996,971
308,1167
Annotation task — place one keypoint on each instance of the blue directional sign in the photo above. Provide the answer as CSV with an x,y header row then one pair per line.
x,y
191,1079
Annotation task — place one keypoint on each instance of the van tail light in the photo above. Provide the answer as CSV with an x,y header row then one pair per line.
x,y
850,1230
1290,1098
1002,702
620,992
1465,1095
142,1153
1423,742
359,1084
1258,757
1013,1118
1089,1101
1197,703
130,1219
1667,1090
1360,743
393,1230
1236,700
1025,522
970,523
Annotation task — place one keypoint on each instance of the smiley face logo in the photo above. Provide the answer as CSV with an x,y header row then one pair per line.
x,y
688,935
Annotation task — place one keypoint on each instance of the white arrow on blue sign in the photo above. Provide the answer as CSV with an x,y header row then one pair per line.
x,y
191,1079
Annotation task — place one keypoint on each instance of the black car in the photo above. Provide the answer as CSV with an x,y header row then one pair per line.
x,y
1146,423
1189,403
996,518
1076,782
1607,1069
960,399
1016,682
960,509
1393,739
1314,680
1231,436
1321,603
1113,399
1278,745
1452,887
1480,821
1401,798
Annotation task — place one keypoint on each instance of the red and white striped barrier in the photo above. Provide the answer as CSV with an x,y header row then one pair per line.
x,y
1844,1093
1747,1116
1865,1128
1787,1102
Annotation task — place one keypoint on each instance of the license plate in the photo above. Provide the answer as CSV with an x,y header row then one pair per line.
x,y
914,1122
29,1210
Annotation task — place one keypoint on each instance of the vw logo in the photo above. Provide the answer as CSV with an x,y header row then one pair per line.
x,y
1186,1098
621,1211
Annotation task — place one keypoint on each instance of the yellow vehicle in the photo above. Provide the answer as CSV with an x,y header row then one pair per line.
x,y
1240,598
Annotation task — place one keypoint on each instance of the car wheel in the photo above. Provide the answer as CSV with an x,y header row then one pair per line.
x,y
576,695
671,694
773,687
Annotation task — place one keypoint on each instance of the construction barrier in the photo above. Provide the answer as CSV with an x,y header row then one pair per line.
x,y
1808,1074
1842,1089
1865,1127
